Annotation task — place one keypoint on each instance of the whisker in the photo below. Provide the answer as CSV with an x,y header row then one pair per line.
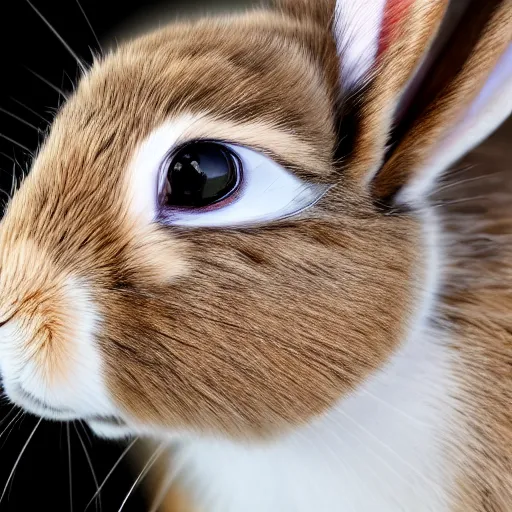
x,y
59,37
466,180
11,474
70,470
7,415
14,182
145,470
48,83
90,25
61,98
442,204
31,110
373,452
91,467
5,193
17,423
456,171
121,457
271,185
166,485
18,414
16,143
5,172
393,408
7,156
81,423
9,194
21,120
335,457
390,450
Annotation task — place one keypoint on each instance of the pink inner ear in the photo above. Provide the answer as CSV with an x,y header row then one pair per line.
x,y
394,13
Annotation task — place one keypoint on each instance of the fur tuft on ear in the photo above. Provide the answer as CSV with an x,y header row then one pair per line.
x,y
465,95
359,32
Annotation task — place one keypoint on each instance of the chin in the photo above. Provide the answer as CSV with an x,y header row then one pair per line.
x,y
111,428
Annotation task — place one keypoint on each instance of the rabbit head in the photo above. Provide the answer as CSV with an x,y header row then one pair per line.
x,y
227,228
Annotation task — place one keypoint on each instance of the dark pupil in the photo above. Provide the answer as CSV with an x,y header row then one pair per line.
x,y
201,174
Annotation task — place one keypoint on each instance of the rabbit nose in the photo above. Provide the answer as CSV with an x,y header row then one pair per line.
x,y
50,358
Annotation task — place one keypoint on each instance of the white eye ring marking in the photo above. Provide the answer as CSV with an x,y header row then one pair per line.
x,y
267,193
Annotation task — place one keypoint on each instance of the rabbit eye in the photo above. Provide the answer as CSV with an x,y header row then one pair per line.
x,y
212,184
201,174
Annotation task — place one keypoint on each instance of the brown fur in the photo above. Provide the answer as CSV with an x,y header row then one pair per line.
x,y
487,27
256,311
477,305
477,302
237,332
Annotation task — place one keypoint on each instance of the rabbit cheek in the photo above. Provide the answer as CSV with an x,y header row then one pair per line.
x,y
156,257
268,330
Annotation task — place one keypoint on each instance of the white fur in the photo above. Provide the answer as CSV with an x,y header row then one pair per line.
x,y
357,31
379,450
491,107
80,391
144,170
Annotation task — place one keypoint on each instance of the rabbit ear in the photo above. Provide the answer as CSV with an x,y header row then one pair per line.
x,y
464,94
420,83
363,31
382,45
424,82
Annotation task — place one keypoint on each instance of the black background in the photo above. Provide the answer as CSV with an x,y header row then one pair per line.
x,y
41,481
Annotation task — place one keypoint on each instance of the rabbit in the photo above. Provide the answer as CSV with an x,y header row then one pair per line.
x,y
228,245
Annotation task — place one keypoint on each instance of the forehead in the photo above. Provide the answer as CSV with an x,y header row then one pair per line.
x,y
241,70
253,80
